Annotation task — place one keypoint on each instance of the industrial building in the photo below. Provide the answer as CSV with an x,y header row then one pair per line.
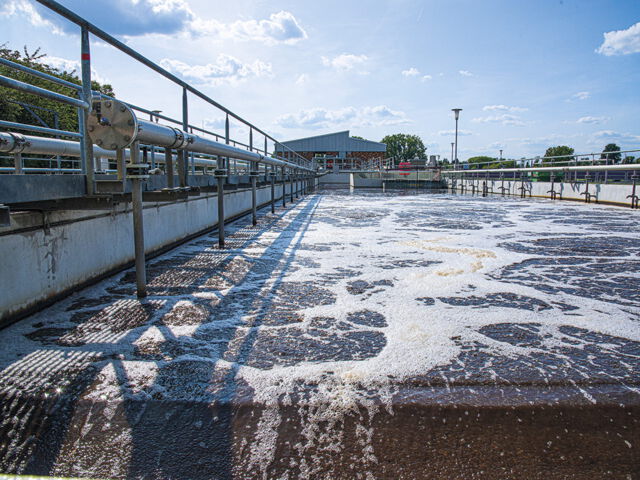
x,y
336,150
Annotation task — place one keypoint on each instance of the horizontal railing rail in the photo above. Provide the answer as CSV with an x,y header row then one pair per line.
x,y
582,159
104,36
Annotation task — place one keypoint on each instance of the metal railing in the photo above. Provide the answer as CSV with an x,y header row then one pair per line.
x,y
536,163
82,97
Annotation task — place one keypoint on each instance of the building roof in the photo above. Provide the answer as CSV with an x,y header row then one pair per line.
x,y
334,142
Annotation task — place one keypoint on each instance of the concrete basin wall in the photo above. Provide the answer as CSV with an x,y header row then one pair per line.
x,y
45,256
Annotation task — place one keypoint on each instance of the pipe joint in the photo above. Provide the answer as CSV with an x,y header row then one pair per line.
x,y
19,143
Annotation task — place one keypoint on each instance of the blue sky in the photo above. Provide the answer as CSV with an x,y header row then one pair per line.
x,y
527,74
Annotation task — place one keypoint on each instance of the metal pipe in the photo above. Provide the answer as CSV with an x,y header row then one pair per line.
x,y
42,92
11,142
118,123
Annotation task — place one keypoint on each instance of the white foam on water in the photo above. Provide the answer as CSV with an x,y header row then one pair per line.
x,y
417,338
380,239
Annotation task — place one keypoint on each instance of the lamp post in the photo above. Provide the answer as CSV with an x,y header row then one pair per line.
x,y
452,159
456,112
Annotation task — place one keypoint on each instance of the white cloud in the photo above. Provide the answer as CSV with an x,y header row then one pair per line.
x,y
611,135
465,73
593,120
426,77
581,95
345,62
281,27
215,124
70,66
226,69
26,9
546,141
504,119
461,133
621,42
164,17
503,108
412,72
350,117
302,79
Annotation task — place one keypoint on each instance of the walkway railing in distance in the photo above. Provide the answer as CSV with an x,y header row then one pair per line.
x,y
574,160
581,171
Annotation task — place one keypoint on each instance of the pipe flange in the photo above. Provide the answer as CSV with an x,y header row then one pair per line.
x,y
179,138
112,124
19,143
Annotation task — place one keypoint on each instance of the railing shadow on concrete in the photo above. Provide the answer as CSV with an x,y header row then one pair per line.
x,y
58,412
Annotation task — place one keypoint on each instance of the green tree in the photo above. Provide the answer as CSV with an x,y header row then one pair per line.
x,y
15,105
481,161
615,157
404,146
565,153
502,164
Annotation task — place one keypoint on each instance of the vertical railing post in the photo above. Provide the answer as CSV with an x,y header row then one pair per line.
x,y
220,174
273,189
138,225
120,167
17,162
292,179
192,156
221,211
254,200
87,145
284,188
168,166
183,155
226,140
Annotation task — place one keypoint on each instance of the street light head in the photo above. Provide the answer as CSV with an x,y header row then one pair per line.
x,y
456,112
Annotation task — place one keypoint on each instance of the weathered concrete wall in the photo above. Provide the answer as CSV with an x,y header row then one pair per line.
x,y
336,179
604,193
364,181
46,256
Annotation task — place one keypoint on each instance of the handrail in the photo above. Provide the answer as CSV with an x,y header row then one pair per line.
x,y
73,17
34,128
42,92
566,168
38,73
573,159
